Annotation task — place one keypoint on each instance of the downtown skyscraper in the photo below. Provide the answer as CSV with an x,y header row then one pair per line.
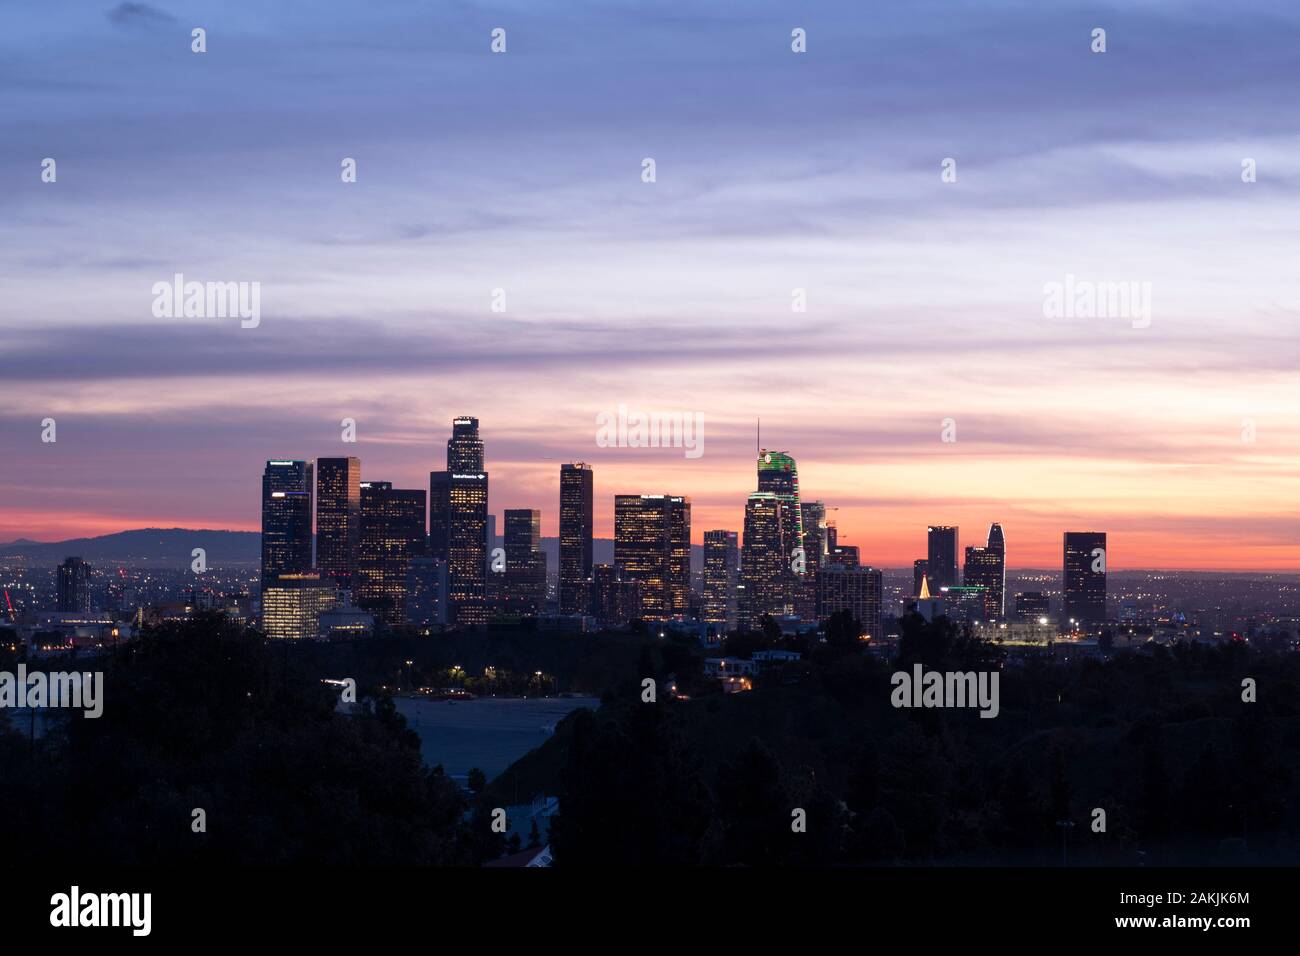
x,y
1084,577
523,588
577,488
458,523
773,531
652,546
764,571
338,517
392,535
721,576
942,565
986,567
286,519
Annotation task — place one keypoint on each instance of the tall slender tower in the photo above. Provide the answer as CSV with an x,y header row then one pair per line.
x,y
763,567
998,546
773,530
286,519
466,511
577,487
721,575
338,517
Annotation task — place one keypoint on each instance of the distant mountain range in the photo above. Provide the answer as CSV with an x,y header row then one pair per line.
x,y
171,548
161,547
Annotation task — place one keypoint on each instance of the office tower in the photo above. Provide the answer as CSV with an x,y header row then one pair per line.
x,y
286,519
816,540
778,475
858,590
439,516
920,571
983,570
458,523
764,570
1084,577
770,575
338,517
464,448
943,557
577,487
292,605
998,546
467,548
426,592
392,533
679,555
816,547
614,600
721,573
1032,605
652,545
524,578
73,587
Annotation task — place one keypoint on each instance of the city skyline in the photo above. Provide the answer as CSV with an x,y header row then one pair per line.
x,y
549,525
924,299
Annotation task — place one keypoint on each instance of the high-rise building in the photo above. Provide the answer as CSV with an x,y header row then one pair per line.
x,y
652,545
467,548
1084,577
577,488
73,587
964,603
816,547
858,590
778,474
983,570
816,541
426,592
338,517
524,579
920,572
439,513
392,533
764,570
458,523
998,546
464,448
286,519
614,600
771,576
721,574
292,605
943,557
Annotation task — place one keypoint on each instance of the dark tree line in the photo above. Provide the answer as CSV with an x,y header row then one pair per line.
x,y
205,715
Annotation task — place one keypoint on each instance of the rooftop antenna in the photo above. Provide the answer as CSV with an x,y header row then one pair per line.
x,y
758,436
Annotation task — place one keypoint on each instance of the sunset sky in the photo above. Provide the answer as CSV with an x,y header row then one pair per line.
x,y
775,171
